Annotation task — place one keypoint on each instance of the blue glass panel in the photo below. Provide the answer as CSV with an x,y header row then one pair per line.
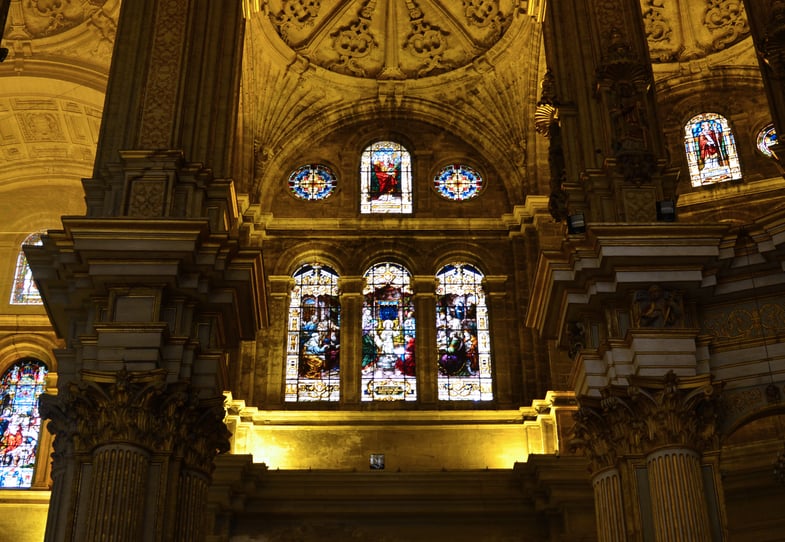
x,y
312,182
388,335
20,421
313,346
458,182
766,138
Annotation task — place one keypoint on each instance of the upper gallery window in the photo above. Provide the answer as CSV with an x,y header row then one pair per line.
x,y
312,182
458,182
20,422
462,335
711,150
24,290
312,352
385,179
766,137
388,335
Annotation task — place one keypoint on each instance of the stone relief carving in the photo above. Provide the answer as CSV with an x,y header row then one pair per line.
x,y
657,307
677,31
389,38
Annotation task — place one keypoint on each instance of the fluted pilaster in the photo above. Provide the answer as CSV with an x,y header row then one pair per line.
x,y
679,506
609,506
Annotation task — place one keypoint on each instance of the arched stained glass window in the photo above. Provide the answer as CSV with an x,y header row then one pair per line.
x,y
20,422
386,179
313,346
24,290
388,335
711,150
458,182
766,137
462,336
312,182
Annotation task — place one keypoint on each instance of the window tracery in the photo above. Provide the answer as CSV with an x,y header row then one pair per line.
x,y
388,335
20,421
23,290
312,182
458,182
385,179
711,150
313,341
462,335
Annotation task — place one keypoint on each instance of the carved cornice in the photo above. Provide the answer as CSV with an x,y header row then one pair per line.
x,y
649,414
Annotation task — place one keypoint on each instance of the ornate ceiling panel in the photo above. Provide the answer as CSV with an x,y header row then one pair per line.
x,y
391,39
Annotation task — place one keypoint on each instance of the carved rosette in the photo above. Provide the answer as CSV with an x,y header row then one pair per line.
x,y
138,409
650,414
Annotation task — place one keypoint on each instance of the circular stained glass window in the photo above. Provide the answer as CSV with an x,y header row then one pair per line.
x,y
766,138
312,182
458,182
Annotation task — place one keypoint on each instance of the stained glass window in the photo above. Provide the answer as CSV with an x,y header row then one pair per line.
x,y
462,336
388,335
313,345
24,290
386,179
458,182
711,150
766,138
20,421
312,182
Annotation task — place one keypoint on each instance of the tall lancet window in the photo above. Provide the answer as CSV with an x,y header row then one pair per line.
x,y
711,150
24,290
386,179
313,343
462,336
20,422
388,335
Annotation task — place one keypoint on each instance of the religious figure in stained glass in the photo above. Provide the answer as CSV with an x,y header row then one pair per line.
x,y
388,335
313,344
20,422
386,179
24,291
462,335
766,138
711,150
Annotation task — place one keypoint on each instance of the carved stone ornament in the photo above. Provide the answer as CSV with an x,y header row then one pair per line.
x,y
682,30
773,47
390,39
140,409
649,414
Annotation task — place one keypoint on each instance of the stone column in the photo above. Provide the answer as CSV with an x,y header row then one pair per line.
x,y
609,155
351,338
678,501
425,342
609,506
767,25
669,422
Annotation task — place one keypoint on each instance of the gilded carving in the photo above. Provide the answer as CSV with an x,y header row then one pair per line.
x,y
146,198
749,320
657,307
648,414
161,88
140,409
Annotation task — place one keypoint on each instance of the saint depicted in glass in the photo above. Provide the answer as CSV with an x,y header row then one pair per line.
x,y
312,182
20,421
766,138
24,290
711,150
462,336
458,182
388,340
386,179
313,344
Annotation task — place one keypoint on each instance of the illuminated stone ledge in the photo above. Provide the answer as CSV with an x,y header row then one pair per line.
x,y
409,440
